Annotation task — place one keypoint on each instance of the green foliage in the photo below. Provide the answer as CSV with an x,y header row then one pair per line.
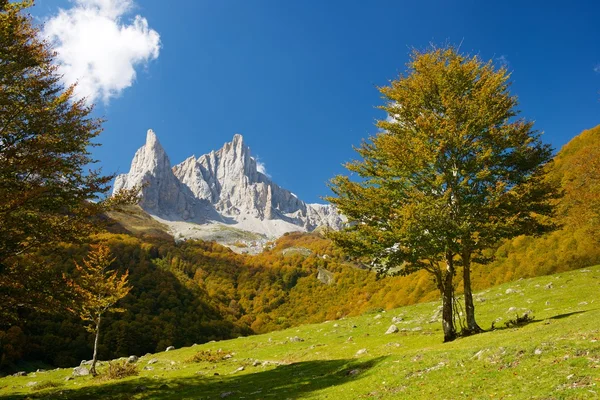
x,y
450,173
47,195
45,134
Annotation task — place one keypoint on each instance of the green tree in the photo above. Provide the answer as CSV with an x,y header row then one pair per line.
x,y
46,193
97,291
451,172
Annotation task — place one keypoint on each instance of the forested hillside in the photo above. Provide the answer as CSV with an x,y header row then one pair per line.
x,y
194,292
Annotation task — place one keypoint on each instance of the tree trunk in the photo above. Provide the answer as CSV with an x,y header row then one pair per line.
x,y
472,326
444,280
94,359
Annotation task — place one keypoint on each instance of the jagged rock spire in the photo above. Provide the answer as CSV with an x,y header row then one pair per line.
x,y
227,180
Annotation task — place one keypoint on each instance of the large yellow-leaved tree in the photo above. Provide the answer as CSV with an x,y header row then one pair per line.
x,y
451,172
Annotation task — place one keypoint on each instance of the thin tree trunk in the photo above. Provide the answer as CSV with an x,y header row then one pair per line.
x,y
472,325
445,286
93,367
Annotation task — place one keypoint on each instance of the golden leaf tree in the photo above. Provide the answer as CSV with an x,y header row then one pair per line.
x,y
451,172
47,194
97,290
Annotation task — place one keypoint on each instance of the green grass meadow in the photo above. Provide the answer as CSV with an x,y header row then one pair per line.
x,y
556,356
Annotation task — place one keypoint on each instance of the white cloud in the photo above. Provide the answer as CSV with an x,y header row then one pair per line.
x,y
97,49
260,167
597,69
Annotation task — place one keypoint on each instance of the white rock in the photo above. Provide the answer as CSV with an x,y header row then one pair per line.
x,y
80,371
225,187
391,329
361,352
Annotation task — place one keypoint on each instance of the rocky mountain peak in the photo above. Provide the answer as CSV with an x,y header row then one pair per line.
x,y
223,185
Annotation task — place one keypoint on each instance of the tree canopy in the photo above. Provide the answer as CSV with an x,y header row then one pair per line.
x,y
47,193
451,172
97,290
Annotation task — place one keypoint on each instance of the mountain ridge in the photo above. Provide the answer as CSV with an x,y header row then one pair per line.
x,y
222,187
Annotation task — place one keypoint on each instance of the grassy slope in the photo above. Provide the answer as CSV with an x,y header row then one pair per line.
x,y
410,364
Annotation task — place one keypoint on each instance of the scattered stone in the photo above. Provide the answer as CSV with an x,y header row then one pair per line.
x,y
361,352
170,348
417,329
377,316
41,370
570,376
132,359
512,309
396,320
80,371
350,339
353,372
547,303
227,356
549,286
510,291
336,325
239,369
479,354
392,329
31,384
325,276
148,368
256,363
226,394
296,339
354,326
153,361
537,352
173,363
20,373
583,303
437,314
68,378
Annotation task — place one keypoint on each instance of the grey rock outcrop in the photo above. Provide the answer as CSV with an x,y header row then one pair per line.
x,y
80,371
223,186
161,192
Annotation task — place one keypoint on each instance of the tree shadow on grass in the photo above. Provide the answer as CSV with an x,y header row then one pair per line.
x,y
291,381
561,316
519,324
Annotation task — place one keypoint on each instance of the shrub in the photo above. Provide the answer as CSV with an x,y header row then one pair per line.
x,y
519,321
120,370
209,356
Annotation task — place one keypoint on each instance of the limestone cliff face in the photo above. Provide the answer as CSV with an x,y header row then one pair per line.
x,y
225,181
162,193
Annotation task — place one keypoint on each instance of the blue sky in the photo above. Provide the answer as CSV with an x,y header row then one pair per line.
x,y
298,79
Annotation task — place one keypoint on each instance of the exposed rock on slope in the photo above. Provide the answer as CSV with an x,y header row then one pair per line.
x,y
222,187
